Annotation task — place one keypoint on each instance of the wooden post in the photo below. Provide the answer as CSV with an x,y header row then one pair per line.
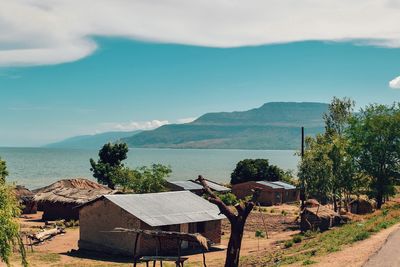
x,y
134,250
302,186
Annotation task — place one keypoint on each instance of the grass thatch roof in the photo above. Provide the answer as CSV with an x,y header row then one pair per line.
x,y
72,195
78,183
76,191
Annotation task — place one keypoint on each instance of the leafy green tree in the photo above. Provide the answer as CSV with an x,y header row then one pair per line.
x,y
315,169
327,171
150,179
3,171
374,134
9,227
256,170
109,163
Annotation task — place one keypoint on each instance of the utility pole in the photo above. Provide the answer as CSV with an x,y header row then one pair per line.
x,y
302,186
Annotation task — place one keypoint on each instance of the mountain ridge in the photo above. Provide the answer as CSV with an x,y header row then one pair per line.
x,y
274,125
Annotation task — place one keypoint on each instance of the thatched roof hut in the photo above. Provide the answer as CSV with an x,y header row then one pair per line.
x,y
58,200
361,206
319,218
79,183
26,199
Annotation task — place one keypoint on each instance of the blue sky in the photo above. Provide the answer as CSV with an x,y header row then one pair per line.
x,y
127,84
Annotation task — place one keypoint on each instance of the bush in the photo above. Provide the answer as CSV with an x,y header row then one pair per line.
x,y
229,199
309,262
288,244
297,239
361,236
284,212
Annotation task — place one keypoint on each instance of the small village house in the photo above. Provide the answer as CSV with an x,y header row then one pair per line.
x,y
26,199
272,193
196,187
179,211
58,200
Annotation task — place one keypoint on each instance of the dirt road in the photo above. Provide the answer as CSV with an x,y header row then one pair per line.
x,y
389,254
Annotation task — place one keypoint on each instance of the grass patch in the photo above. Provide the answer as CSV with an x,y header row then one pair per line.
x,y
317,244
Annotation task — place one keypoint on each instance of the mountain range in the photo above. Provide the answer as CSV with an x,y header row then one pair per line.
x,y
274,125
95,141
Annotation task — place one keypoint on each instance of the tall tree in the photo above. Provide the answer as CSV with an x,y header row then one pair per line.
x,y
237,221
336,120
327,170
109,163
256,170
9,227
375,141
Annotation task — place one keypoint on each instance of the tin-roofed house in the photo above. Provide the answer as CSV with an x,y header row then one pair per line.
x,y
180,211
185,186
196,187
272,193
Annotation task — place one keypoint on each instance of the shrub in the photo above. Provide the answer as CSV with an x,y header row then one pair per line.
x,y
288,244
297,239
284,212
309,262
361,236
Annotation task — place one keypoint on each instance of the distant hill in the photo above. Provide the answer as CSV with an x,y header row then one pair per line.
x,y
274,125
95,141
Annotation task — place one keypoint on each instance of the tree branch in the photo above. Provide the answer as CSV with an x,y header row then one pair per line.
x,y
213,198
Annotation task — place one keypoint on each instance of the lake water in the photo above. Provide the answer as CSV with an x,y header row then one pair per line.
x,y
36,167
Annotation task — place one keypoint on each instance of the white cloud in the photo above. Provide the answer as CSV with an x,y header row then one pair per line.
x,y
133,125
186,120
54,31
395,83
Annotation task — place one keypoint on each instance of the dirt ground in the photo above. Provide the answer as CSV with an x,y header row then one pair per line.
x,y
57,252
280,225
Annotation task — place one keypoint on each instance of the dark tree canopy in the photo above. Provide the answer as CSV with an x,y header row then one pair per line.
x,y
256,170
109,163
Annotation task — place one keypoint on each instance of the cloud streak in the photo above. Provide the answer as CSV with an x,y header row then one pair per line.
x,y
134,125
40,32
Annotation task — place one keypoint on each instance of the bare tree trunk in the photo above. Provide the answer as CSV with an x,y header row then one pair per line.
x,y
237,221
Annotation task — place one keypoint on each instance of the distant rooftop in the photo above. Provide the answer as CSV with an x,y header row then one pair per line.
x,y
187,185
284,185
217,187
270,184
167,208
277,185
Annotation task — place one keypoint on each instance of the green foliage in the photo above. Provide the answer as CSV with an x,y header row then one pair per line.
x,y
297,239
361,236
288,244
260,234
109,164
110,170
327,170
3,171
9,228
255,170
229,199
309,262
375,144
150,179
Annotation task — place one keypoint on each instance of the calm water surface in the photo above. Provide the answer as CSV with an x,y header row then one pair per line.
x,y
36,167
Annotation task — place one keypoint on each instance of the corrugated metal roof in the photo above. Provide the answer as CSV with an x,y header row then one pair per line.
x,y
187,185
167,208
284,185
270,184
217,187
